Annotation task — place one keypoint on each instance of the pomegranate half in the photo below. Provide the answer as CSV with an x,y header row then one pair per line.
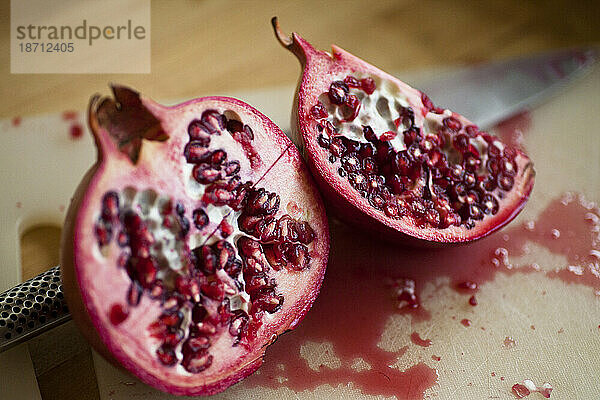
x,y
390,161
193,242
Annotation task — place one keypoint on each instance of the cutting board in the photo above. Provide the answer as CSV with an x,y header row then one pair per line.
x,y
521,305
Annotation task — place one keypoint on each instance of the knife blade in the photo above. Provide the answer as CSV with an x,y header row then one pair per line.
x,y
489,93
486,94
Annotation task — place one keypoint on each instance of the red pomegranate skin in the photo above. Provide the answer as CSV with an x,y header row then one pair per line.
x,y
93,283
319,70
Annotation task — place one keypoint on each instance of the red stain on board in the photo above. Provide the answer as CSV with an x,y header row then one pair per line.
x,y
70,115
16,121
466,322
436,358
357,299
419,341
76,131
19,204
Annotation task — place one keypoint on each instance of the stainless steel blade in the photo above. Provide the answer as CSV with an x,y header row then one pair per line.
x,y
489,93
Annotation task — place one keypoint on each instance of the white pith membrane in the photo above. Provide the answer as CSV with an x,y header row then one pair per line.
x,y
167,233
415,171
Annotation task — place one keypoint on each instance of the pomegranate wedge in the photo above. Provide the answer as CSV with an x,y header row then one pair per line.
x,y
389,161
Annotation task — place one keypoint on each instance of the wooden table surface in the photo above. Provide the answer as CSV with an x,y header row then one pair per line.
x,y
211,47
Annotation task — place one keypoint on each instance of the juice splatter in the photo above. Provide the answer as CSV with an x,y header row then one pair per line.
x,y
368,281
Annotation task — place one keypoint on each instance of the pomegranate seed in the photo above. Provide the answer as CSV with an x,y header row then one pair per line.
x,y
198,131
432,217
110,206
122,260
305,233
118,314
157,290
146,271
198,362
494,151
452,124
350,162
338,92
103,233
520,391
225,228
505,182
166,355
319,111
214,290
323,141
509,167
387,136
261,202
461,142
352,82
376,201
269,302
212,121
237,325
427,103
369,134
489,204
134,294
411,135
493,166
471,161
472,130
353,104
200,218
205,174
217,157
248,133
196,152
172,339
195,344
367,85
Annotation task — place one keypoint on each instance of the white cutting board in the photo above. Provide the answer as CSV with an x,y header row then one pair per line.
x,y
42,165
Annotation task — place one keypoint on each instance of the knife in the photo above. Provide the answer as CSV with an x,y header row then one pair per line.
x,y
486,94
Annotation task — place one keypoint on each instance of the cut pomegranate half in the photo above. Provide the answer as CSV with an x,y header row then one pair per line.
x,y
193,242
390,161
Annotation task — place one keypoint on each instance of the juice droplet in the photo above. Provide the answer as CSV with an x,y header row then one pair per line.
x,y
466,322
76,131
472,300
509,342
416,339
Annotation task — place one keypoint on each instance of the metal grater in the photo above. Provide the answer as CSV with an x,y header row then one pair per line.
x,y
31,308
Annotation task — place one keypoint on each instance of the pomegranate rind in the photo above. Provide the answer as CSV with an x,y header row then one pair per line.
x,y
319,69
93,283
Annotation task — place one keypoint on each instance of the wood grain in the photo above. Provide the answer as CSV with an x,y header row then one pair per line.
x,y
211,47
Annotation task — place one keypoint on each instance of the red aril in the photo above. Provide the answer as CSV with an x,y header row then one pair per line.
x,y
193,242
389,161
